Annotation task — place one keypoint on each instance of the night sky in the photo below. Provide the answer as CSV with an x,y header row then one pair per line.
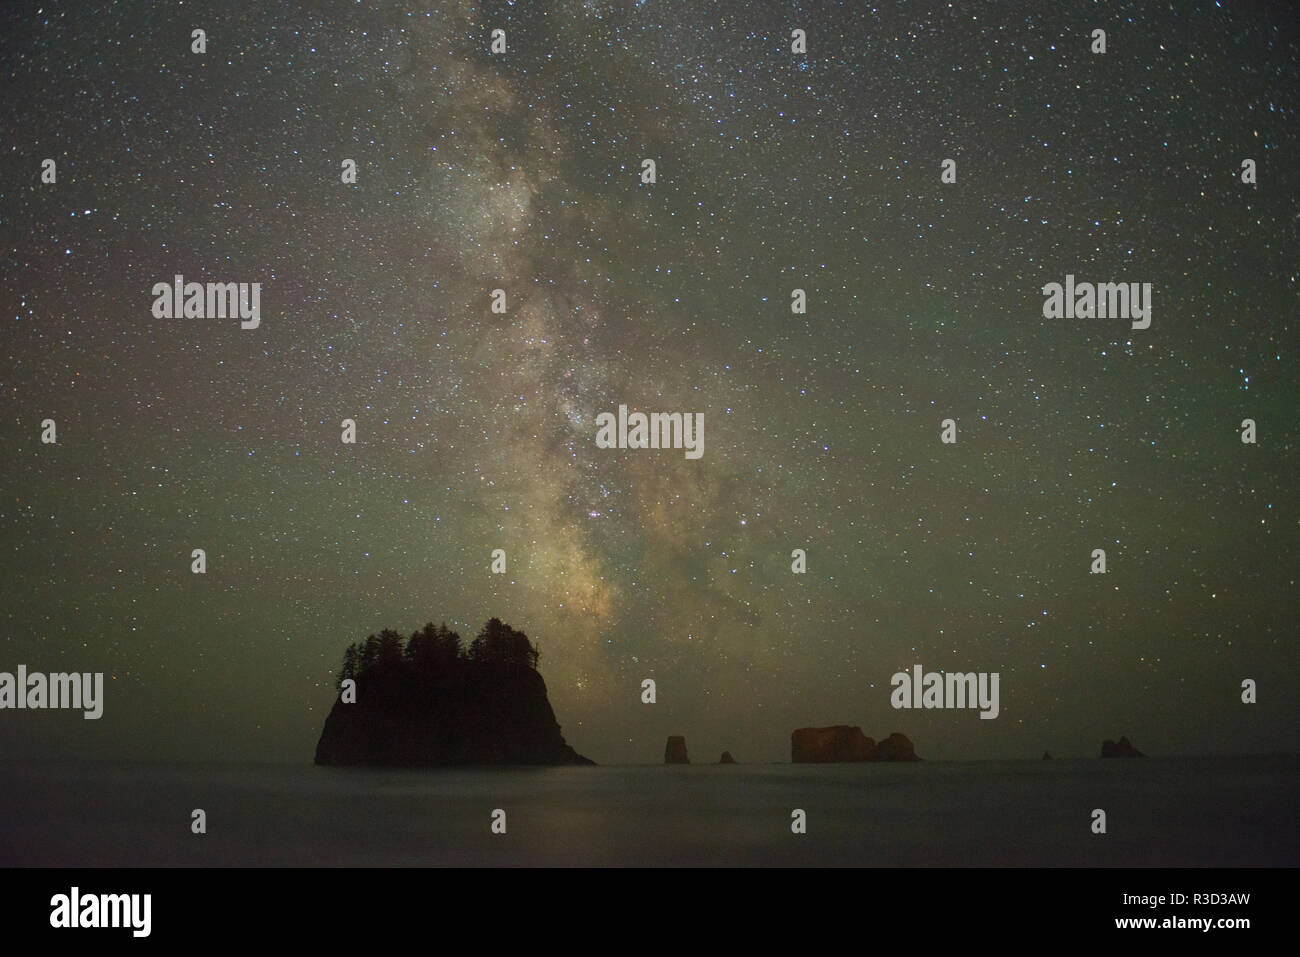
x,y
476,431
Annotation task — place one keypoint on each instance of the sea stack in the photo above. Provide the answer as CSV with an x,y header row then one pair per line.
x,y
478,714
896,747
431,704
841,743
675,751
828,745
726,758
1120,749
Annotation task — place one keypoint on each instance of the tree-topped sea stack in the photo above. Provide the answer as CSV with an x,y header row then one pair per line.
x,y
426,702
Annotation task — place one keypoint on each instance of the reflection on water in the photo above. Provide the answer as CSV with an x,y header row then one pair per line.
x,y
1160,811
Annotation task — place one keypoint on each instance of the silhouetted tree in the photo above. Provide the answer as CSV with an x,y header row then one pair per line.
x,y
435,653
419,648
369,653
500,644
485,646
389,656
351,662
448,645
433,649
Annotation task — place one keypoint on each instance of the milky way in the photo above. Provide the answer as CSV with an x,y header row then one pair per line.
x,y
775,171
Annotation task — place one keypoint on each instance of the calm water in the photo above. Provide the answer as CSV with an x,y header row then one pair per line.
x,y
1160,811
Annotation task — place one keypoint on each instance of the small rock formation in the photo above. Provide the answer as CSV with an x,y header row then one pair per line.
x,y
1046,756
675,751
1120,749
896,747
726,758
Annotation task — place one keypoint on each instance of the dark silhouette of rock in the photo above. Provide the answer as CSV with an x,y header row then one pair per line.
x,y
675,750
836,743
435,705
896,747
1046,756
841,743
1120,749
726,758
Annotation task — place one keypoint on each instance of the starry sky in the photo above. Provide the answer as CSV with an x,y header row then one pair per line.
x,y
475,431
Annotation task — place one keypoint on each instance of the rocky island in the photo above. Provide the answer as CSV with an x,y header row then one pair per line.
x,y
841,743
675,750
427,702
1120,749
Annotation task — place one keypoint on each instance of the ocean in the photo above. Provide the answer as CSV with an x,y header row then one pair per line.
x,y
1180,812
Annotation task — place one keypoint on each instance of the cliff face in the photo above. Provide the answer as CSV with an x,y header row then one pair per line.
x,y
484,714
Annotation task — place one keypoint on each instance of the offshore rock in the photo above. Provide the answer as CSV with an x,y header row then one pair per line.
x,y
897,747
825,745
1120,749
480,714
